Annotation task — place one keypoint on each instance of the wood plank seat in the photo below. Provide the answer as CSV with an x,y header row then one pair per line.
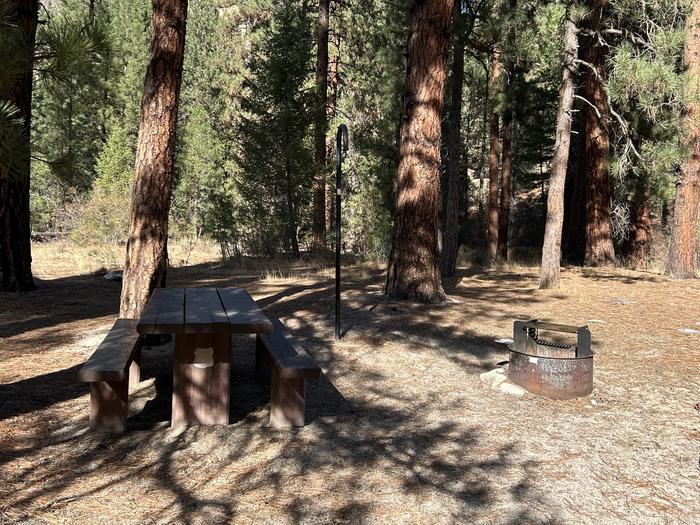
x,y
110,370
290,366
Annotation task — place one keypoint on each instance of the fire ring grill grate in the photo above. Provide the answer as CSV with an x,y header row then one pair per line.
x,y
553,369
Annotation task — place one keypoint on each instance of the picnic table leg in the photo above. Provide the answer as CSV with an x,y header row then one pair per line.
x,y
287,403
109,406
135,369
201,379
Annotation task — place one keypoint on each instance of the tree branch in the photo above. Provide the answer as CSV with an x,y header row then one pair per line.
x,y
589,103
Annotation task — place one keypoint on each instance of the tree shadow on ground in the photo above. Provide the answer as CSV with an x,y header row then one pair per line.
x,y
249,398
58,301
360,451
367,318
352,458
39,392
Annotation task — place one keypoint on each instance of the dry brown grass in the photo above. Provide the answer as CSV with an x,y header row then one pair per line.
x,y
400,431
66,258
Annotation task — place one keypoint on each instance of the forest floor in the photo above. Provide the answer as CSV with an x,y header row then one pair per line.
x,y
400,428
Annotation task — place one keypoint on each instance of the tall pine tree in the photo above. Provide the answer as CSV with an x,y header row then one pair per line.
x,y
147,246
414,271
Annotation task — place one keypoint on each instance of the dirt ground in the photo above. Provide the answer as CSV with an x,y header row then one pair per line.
x,y
400,428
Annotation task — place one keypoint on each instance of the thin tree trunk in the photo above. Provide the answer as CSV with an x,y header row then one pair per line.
x,y
291,212
480,169
507,136
494,157
15,228
147,246
639,242
450,244
599,243
551,249
414,271
332,108
481,207
682,256
506,171
318,232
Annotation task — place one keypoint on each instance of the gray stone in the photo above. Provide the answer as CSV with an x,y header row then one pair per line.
x,y
512,389
113,276
493,378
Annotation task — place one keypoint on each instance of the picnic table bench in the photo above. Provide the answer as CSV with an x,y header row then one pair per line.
x,y
290,366
111,369
202,320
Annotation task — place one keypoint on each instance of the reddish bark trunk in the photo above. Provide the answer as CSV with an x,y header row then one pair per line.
x,y
15,228
574,232
450,244
506,172
682,257
414,263
551,249
599,243
639,242
507,137
319,210
147,246
494,157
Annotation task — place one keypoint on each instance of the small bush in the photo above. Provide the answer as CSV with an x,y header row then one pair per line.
x,y
103,219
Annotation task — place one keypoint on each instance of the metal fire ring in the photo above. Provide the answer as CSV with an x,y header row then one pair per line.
x,y
555,370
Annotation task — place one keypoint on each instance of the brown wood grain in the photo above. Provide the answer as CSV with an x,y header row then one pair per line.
x,y
164,312
288,355
111,360
109,406
204,312
201,391
287,401
243,314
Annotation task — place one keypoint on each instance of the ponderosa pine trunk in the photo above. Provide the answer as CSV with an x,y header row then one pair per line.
x,y
318,229
450,238
494,158
15,228
551,249
574,232
506,171
639,241
147,246
414,271
682,256
507,138
600,249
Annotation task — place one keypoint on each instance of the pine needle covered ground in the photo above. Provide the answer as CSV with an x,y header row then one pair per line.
x,y
400,428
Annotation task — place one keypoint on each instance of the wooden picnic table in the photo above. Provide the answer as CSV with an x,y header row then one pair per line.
x,y
202,320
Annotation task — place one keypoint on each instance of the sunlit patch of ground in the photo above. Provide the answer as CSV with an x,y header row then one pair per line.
x,y
400,428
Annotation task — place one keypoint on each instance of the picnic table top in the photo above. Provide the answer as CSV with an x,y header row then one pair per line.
x,y
202,310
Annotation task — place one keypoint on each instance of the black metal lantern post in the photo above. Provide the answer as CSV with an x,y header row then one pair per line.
x,y
341,149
